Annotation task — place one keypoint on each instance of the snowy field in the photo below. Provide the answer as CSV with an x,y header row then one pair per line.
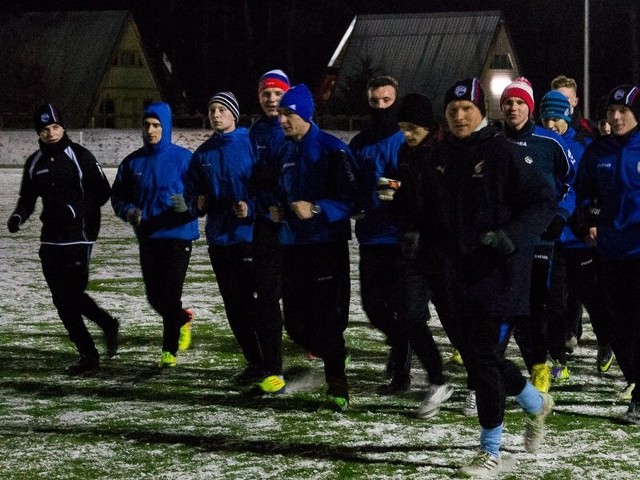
x,y
132,421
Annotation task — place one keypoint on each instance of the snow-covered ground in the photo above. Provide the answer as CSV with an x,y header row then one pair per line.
x,y
202,440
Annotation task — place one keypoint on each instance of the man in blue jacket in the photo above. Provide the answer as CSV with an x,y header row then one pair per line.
x,y
378,229
148,193
318,186
267,136
609,180
218,186
546,151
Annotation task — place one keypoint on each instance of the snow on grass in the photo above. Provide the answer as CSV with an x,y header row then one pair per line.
x,y
131,420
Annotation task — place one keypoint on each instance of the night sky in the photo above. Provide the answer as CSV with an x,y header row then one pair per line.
x,y
225,45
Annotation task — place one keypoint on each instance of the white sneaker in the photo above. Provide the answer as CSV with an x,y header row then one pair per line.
x,y
470,406
436,396
486,465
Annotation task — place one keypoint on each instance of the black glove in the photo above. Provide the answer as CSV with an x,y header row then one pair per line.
x,y
134,216
409,245
499,242
13,224
553,231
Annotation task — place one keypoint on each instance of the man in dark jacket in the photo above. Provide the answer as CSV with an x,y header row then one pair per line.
x,y
73,187
148,193
484,207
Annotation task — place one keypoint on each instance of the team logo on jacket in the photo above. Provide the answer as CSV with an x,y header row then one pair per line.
x,y
528,160
478,168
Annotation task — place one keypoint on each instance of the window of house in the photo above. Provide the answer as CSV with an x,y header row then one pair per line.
x,y
501,61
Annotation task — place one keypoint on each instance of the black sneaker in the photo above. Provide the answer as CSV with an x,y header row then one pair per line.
x,y
251,374
397,386
84,365
111,339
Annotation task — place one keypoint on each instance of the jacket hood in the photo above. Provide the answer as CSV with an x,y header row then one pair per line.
x,y
162,112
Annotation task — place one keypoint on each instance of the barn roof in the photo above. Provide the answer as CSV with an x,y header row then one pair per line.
x,y
68,53
426,53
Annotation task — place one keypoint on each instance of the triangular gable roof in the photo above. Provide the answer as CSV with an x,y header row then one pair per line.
x,y
73,51
425,52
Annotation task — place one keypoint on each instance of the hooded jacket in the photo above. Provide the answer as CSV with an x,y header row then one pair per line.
x,y
221,171
72,186
147,178
609,173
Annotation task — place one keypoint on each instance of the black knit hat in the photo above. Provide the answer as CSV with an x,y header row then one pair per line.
x,y
627,96
467,89
47,114
416,108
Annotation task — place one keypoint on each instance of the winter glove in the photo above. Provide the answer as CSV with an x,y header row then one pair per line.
x,y
553,231
409,245
13,224
499,242
387,188
134,216
179,204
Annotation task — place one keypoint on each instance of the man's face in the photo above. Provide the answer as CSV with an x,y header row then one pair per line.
x,y
51,133
152,129
558,125
414,134
269,101
382,97
516,112
293,124
463,117
621,119
221,118
570,93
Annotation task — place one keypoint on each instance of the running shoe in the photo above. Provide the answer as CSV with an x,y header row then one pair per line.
x,y
168,360
184,340
559,372
605,358
541,377
470,405
272,384
436,396
534,429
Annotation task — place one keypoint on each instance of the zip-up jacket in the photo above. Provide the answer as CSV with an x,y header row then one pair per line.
x,y
221,171
376,155
318,169
72,186
472,186
146,180
550,154
266,136
610,174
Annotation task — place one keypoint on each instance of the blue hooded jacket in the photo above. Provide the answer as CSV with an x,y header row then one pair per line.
x,y
610,173
147,178
221,170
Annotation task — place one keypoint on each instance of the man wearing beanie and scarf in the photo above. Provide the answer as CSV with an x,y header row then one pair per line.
x,y
267,136
378,231
73,187
483,208
574,263
148,193
318,194
421,132
547,151
218,186
609,174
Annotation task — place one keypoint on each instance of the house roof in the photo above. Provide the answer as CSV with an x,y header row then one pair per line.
x,y
68,52
426,53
